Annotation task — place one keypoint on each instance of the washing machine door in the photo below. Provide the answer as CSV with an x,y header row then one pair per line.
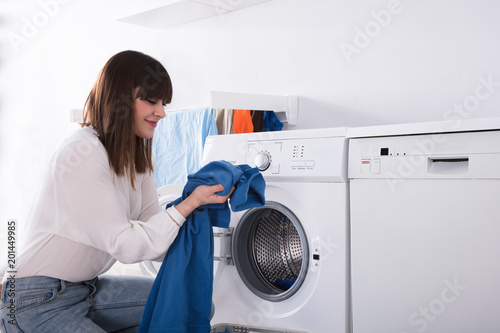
x,y
271,251
166,194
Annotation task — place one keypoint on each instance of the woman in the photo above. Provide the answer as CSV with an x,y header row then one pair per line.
x,y
98,204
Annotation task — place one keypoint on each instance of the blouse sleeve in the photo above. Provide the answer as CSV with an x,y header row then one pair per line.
x,y
87,208
150,203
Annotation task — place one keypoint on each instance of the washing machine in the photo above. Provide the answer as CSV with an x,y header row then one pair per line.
x,y
284,267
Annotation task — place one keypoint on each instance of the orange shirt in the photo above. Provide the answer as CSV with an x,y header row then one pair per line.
x,y
242,122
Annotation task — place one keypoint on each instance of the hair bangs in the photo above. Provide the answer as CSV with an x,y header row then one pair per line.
x,y
154,83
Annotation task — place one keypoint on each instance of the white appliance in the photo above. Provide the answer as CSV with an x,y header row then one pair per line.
x,y
425,221
284,267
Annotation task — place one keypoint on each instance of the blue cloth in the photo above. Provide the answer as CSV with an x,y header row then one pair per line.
x,y
181,298
285,284
271,121
178,144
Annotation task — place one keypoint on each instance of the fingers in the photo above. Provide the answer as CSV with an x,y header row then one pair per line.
x,y
219,189
212,194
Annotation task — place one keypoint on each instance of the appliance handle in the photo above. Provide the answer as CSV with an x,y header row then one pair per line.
x,y
448,165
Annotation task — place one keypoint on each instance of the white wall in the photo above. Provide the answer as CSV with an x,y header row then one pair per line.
x,y
42,78
421,61
425,63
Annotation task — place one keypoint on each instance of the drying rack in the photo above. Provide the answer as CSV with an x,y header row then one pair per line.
x,y
286,108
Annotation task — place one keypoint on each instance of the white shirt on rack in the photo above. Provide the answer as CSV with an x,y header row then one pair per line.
x,y
85,217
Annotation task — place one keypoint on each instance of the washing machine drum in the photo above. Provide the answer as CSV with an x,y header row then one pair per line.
x,y
270,251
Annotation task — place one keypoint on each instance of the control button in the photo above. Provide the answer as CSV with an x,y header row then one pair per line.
x,y
298,164
365,166
376,165
310,163
263,160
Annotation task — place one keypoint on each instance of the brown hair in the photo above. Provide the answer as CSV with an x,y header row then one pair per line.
x,y
109,108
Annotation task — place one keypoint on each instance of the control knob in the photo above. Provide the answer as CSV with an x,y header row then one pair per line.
x,y
263,160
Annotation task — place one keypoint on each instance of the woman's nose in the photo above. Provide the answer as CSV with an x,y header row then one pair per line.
x,y
160,111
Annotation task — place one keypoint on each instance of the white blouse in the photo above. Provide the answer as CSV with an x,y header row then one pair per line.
x,y
85,217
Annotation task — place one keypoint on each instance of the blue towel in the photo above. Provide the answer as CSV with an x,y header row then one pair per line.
x,y
181,298
271,121
178,144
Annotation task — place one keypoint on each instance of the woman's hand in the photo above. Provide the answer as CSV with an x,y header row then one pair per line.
x,y
202,195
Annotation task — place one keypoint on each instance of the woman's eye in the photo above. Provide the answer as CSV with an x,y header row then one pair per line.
x,y
151,101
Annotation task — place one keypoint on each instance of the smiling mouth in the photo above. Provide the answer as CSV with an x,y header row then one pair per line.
x,y
152,123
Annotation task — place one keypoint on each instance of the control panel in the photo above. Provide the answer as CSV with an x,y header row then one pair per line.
x,y
438,155
315,158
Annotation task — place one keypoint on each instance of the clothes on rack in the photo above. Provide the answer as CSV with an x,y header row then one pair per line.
x,y
271,121
246,121
178,144
224,120
258,121
242,122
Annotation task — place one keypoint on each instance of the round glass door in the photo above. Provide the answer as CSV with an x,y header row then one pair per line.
x,y
271,252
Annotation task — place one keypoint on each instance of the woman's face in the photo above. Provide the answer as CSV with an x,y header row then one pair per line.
x,y
147,113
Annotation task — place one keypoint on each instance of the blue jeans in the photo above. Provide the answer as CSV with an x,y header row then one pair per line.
x,y
104,304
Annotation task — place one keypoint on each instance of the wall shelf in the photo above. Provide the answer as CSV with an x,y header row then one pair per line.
x,y
162,14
